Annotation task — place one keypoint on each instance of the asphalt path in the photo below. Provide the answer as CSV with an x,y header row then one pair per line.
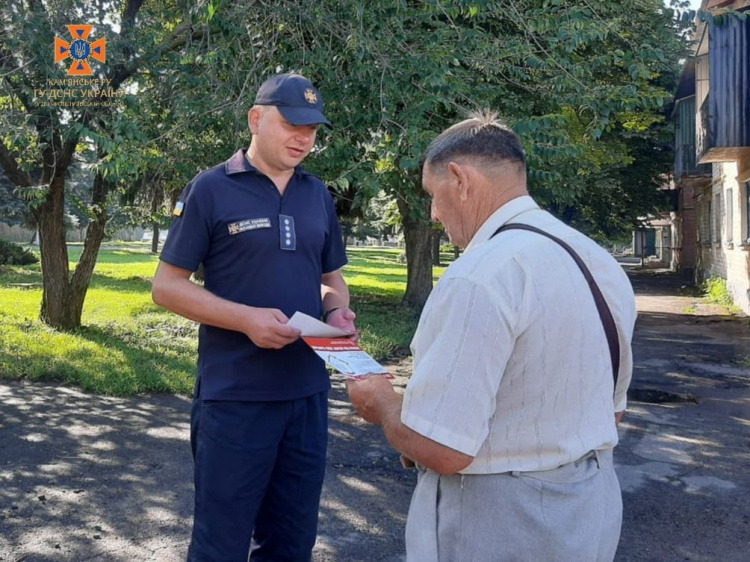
x,y
110,479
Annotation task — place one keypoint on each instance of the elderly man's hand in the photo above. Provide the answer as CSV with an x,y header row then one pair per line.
x,y
371,397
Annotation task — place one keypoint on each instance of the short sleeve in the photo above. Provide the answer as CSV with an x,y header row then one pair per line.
x,y
461,350
333,256
189,235
625,328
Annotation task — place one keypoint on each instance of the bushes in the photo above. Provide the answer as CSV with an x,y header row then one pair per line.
x,y
14,254
715,290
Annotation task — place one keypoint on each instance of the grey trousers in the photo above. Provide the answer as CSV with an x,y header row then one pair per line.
x,y
568,514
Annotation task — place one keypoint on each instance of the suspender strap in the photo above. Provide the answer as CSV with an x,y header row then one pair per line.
x,y
605,314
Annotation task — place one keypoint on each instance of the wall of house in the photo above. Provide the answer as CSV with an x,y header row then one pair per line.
x,y
675,231
663,242
688,226
729,83
723,248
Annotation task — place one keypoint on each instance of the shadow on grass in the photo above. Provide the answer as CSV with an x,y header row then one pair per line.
x,y
379,278
156,355
383,253
374,266
157,371
387,324
125,257
13,275
30,279
114,254
129,284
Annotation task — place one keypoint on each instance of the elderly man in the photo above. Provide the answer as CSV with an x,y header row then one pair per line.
x,y
511,411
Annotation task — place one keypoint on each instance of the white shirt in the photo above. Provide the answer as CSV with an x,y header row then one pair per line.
x,y
511,362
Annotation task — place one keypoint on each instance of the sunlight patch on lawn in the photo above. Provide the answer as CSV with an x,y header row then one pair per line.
x,y
128,345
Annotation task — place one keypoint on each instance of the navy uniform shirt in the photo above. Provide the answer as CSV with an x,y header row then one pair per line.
x,y
261,249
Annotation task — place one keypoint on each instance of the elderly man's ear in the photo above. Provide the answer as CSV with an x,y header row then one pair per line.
x,y
461,174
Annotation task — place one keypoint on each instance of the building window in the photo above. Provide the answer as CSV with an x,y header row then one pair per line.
x,y
730,217
747,211
710,221
717,217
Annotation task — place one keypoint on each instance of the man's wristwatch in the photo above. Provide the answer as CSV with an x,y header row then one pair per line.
x,y
328,312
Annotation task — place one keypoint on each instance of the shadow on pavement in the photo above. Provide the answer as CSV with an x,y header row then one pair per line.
x,y
86,477
685,443
367,491
95,478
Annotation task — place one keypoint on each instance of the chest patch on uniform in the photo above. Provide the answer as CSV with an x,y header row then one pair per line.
x,y
249,224
287,233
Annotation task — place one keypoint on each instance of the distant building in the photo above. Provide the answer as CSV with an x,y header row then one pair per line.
x,y
712,153
688,175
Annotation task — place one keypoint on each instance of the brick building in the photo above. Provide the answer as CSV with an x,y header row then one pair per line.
x,y
712,109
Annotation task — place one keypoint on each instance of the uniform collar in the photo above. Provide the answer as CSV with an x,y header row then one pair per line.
x,y
501,216
238,164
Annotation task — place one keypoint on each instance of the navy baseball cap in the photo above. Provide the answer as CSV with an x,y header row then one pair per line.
x,y
295,97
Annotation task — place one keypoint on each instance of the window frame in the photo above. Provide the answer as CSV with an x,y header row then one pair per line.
x,y
729,215
717,217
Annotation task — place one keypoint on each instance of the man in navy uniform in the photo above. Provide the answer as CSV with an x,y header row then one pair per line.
x,y
268,237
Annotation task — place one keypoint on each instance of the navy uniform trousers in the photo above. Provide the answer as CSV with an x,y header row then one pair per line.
x,y
259,469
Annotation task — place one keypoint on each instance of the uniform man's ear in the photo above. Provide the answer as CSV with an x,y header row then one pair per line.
x,y
460,175
253,117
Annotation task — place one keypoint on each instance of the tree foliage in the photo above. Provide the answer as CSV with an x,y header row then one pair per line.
x,y
584,83
42,140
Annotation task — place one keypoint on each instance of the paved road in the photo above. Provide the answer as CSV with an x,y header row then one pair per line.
x,y
683,464
108,479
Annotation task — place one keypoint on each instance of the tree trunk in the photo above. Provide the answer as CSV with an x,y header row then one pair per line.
x,y
155,239
417,236
436,238
346,230
91,245
63,296
57,305
156,199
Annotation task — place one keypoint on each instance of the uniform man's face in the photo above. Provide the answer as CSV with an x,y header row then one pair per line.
x,y
280,145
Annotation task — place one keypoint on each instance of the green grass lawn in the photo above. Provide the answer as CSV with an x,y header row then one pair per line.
x,y
128,345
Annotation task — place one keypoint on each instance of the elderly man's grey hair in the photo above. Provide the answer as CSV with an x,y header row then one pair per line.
x,y
482,137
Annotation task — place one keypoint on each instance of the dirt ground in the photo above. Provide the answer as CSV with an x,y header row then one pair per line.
x,y
109,479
